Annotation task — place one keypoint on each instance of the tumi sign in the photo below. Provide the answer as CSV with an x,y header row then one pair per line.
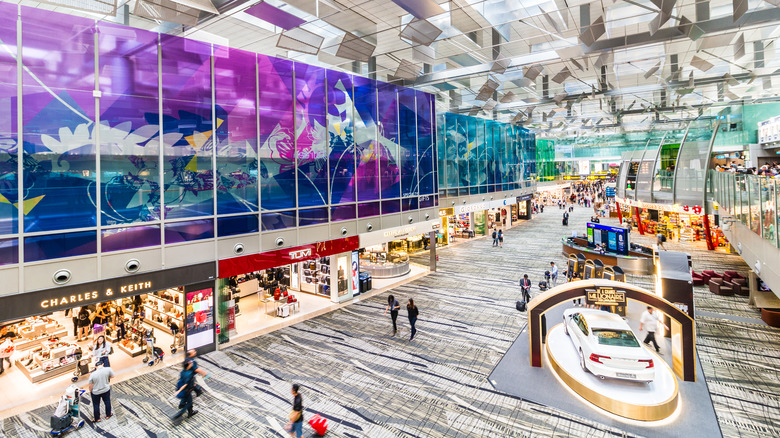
x,y
271,259
66,297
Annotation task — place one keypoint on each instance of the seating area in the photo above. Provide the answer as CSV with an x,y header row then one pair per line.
x,y
728,283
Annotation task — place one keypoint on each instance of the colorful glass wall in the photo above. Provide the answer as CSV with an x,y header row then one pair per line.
x,y
133,139
483,156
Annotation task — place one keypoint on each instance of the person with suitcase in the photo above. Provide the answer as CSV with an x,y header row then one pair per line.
x,y
525,287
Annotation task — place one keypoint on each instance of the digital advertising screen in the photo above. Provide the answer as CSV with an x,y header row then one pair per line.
x,y
613,239
199,318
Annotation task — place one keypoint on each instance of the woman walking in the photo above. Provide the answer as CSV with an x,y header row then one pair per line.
x,y
412,310
393,306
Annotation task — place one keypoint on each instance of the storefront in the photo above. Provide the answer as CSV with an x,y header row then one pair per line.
x,y
478,219
679,223
139,315
522,209
259,290
385,253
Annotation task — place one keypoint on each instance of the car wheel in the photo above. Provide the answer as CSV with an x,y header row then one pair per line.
x,y
565,327
582,361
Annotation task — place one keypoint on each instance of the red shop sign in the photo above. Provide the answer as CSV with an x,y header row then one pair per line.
x,y
271,259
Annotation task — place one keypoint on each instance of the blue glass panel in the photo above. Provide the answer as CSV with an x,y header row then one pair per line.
x,y
473,163
342,213
427,201
391,206
342,145
313,216
311,137
189,230
425,146
117,239
479,148
8,125
230,226
367,209
409,204
278,221
407,129
9,251
53,246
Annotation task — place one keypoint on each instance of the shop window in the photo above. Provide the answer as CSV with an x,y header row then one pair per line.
x,y
233,225
54,246
9,251
342,213
367,209
312,216
278,221
117,239
189,230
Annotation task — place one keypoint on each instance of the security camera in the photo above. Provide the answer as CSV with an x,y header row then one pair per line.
x,y
132,265
239,248
453,202
343,231
62,276
427,216
411,219
369,227
279,241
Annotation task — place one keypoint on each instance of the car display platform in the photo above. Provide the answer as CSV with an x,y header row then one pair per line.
x,y
652,401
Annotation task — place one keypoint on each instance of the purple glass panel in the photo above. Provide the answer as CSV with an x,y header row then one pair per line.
x,y
312,151
278,221
277,140
189,230
391,206
367,209
407,133
313,216
340,133
275,16
8,159
8,17
390,177
129,160
409,204
53,246
425,143
186,69
117,239
342,213
427,201
235,91
366,139
58,50
127,63
9,251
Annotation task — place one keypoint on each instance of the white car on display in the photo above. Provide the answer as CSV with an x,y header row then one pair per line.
x,y
606,345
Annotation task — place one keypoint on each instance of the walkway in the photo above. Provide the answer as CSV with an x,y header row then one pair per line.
x,y
370,384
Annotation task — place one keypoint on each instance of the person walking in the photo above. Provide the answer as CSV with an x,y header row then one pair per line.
x,y
393,306
101,350
525,288
650,322
495,238
500,239
412,311
100,389
295,425
553,273
185,387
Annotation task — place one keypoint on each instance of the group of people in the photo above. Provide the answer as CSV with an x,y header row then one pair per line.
x,y
498,238
393,306
768,170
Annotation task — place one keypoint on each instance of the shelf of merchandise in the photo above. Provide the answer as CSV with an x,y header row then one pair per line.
x,y
149,319
132,353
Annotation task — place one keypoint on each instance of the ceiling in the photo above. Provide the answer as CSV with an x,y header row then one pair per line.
x,y
563,68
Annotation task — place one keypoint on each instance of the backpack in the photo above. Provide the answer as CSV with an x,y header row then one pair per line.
x,y
494,234
520,306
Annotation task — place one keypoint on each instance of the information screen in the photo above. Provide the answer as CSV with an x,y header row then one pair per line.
x,y
200,318
613,239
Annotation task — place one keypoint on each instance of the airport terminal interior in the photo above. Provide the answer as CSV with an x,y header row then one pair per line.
x,y
389,218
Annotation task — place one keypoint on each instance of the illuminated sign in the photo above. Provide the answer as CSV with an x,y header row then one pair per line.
x,y
301,253
606,296
473,207
398,232
446,212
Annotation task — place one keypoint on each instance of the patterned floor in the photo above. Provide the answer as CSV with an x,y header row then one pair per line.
x,y
370,384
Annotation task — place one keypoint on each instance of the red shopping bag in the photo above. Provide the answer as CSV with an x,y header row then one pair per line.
x,y
319,424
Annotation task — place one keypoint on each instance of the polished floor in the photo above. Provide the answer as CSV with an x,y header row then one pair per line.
x,y
369,384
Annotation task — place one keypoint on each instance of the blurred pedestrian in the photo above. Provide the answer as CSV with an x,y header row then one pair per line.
x,y
295,426
185,387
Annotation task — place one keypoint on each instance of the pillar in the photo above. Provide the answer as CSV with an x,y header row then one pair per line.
x,y
432,237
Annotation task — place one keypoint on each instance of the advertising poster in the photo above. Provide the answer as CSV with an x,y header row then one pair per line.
x,y
200,318
355,273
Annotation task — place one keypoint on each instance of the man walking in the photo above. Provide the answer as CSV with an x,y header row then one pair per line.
x,y
553,273
295,426
100,389
495,238
525,287
650,321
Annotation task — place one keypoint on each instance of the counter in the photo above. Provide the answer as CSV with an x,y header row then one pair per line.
x,y
633,263
386,269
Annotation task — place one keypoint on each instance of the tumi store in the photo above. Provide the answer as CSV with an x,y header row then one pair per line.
x,y
54,335
261,290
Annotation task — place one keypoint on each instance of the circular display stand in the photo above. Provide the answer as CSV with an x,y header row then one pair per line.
x,y
386,270
652,401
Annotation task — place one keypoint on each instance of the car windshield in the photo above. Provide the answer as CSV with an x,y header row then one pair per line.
x,y
618,338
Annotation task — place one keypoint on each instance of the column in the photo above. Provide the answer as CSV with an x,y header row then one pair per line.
x,y
432,237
